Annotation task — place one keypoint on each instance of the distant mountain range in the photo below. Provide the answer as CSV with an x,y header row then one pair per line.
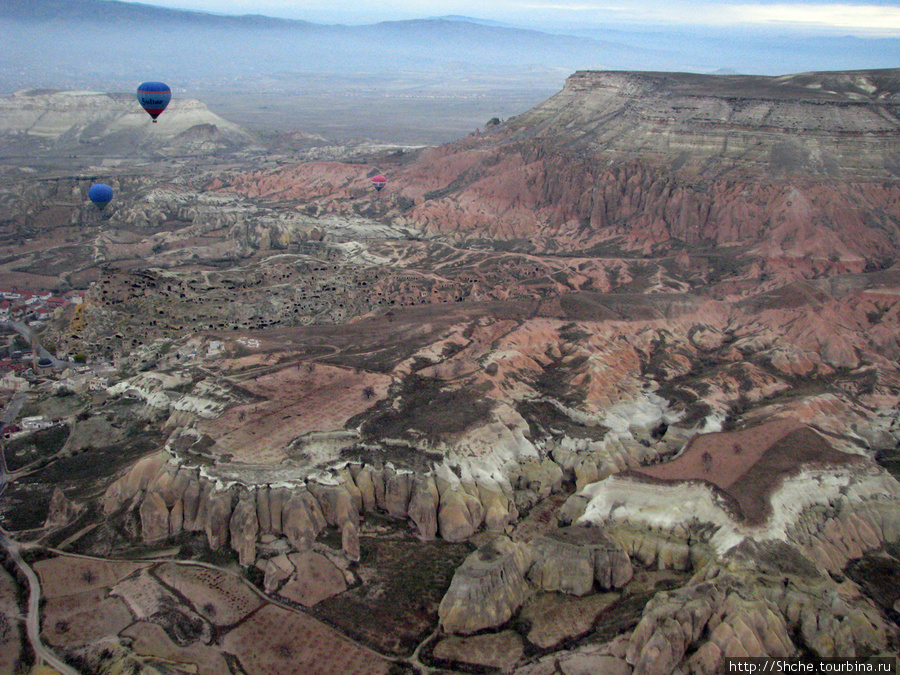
x,y
461,70
86,41
113,12
86,38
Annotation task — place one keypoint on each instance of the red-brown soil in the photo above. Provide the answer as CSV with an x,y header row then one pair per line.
x,y
750,464
298,399
275,640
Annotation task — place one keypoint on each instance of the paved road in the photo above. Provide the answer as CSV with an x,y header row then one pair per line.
x,y
28,334
11,412
6,417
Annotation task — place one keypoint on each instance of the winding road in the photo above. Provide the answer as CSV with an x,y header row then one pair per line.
x,y
33,619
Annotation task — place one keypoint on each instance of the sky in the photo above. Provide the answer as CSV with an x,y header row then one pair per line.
x,y
868,17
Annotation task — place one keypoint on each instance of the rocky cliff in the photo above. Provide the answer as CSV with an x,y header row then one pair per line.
x,y
798,167
791,167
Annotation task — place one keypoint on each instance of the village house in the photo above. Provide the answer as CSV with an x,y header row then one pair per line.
x,y
36,422
98,384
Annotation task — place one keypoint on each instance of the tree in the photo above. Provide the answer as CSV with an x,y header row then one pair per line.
x,y
706,460
368,392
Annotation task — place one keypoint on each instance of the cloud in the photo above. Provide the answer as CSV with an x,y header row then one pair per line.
x,y
882,19
579,8
862,18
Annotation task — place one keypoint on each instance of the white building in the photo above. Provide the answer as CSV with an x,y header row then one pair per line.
x,y
38,422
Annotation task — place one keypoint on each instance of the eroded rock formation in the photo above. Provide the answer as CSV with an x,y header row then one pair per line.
x,y
488,588
574,559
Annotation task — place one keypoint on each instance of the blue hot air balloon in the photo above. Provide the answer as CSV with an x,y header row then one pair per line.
x,y
100,194
154,97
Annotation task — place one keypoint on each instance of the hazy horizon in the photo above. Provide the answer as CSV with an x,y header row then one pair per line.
x,y
410,81
869,18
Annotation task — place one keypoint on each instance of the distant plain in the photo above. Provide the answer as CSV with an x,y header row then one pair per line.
x,y
407,109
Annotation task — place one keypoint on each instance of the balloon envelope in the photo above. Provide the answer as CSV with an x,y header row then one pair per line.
x,y
379,182
154,97
100,194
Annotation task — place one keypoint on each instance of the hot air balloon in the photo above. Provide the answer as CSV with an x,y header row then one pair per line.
x,y
378,182
100,194
154,97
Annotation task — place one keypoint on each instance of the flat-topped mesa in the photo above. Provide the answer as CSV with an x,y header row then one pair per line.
x,y
114,122
829,124
786,167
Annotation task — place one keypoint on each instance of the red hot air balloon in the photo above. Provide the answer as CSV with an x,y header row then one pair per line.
x,y
154,97
378,182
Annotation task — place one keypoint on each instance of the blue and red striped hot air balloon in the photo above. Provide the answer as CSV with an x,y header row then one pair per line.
x,y
154,97
101,194
378,182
